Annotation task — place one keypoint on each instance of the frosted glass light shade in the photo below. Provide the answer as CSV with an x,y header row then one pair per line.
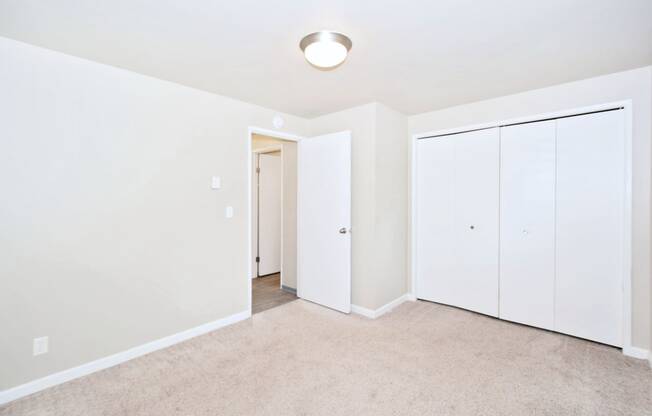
x,y
325,49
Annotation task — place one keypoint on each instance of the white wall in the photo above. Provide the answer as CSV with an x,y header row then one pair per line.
x,y
379,158
110,235
635,85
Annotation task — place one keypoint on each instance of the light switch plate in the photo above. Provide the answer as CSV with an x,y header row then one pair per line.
x,y
228,212
216,182
40,345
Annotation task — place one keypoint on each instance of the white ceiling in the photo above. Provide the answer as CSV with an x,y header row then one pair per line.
x,y
412,55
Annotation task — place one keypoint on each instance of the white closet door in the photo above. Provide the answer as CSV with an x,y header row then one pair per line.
x,y
590,215
527,223
269,213
457,216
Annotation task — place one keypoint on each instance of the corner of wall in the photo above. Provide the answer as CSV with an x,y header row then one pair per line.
x,y
390,201
650,303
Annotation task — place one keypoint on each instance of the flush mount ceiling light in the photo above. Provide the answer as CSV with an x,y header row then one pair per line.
x,y
325,49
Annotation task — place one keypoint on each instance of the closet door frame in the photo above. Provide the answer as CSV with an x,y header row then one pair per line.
x,y
626,106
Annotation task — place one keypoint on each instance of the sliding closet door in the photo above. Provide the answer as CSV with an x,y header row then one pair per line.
x,y
590,218
527,223
457,217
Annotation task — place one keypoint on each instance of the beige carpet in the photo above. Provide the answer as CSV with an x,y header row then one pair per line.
x,y
421,359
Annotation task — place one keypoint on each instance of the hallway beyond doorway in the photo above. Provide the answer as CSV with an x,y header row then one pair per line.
x,y
267,293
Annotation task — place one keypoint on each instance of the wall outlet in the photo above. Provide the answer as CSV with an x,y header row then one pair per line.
x,y
40,345
228,212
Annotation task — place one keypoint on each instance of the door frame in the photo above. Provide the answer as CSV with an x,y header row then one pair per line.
x,y
626,105
251,130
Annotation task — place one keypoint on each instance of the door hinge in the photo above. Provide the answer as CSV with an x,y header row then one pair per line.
x,y
257,170
257,259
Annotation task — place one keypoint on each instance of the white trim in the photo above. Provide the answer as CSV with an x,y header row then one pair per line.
x,y
273,134
413,218
280,280
31,387
251,130
373,314
636,352
627,238
627,261
359,310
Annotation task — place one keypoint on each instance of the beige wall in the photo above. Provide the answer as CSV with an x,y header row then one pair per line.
x,y
390,219
260,141
635,85
379,157
110,235
289,278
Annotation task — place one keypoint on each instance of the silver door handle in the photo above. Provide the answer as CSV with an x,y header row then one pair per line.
x,y
343,230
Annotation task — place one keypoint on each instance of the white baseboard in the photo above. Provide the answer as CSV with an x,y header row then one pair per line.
x,y
359,310
373,314
636,352
26,389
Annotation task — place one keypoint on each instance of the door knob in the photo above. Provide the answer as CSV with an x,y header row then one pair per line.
x,y
343,230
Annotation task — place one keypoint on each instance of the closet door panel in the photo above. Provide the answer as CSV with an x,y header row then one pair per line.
x,y
457,215
527,223
435,214
590,215
476,219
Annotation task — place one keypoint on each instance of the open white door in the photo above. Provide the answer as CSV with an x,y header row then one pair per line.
x,y
324,220
269,213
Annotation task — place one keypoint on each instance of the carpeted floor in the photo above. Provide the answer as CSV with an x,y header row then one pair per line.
x,y
420,359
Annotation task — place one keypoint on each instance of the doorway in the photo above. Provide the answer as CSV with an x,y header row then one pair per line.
x,y
274,191
315,220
